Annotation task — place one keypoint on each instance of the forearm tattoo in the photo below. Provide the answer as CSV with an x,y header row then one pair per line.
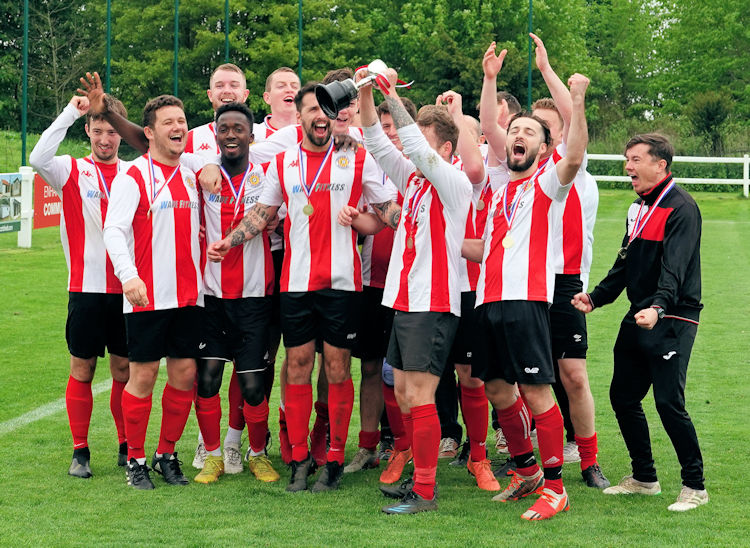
x,y
389,212
251,225
400,117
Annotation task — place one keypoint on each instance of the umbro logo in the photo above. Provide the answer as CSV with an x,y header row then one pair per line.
x,y
350,336
577,338
531,370
201,346
669,354
204,146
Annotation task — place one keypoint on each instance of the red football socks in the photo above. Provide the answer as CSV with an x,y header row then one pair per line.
x,y
175,410
256,417
369,440
136,412
401,441
425,447
516,424
236,401
115,406
208,412
298,407
79,402
549,430
475,409
340,404
587,448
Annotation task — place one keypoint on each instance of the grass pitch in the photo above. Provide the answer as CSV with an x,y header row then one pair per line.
x,y
41,505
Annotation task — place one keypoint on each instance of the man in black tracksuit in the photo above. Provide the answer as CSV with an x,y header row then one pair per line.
x,y
659,267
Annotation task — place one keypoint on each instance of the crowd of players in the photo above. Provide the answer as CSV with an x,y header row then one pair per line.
x,y
421,241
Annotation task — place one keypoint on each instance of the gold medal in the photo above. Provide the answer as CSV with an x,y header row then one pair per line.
x,y
480,205
410,242
508,241
308,209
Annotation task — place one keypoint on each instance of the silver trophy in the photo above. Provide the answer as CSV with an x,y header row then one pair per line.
x,y
337,95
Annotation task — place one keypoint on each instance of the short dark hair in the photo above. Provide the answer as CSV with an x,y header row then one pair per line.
x,y
526,114
338,75
658,146
409,105
149,111
304,90
514,107
274,73
236,107
437,117
113,105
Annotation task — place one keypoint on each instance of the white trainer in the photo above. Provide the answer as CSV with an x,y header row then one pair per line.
x,y
630,486
501,444
570,453
448,448
200,456
232,459
688,499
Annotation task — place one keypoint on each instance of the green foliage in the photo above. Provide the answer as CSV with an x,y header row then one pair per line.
x,y
707,112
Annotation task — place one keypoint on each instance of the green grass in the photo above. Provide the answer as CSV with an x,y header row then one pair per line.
x,y
41,505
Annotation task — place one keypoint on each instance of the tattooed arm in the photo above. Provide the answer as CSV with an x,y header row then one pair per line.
x,y
251,225
389,212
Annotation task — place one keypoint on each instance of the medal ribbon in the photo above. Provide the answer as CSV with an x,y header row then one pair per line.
x,y
100,177
303,171
413,207
640,223
516,200
152,175
238,194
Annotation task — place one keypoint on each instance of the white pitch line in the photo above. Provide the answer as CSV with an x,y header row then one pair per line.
x,y
47,409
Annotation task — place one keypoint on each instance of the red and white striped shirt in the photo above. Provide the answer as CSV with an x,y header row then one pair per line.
x,y
84,188
423,274
319,253
151,232
525,270
247,270
376,248
201,140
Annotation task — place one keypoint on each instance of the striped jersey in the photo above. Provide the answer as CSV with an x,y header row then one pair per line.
x,y
84,188
319,253
201,140
524,270
423,274
247,270
376,248
151,232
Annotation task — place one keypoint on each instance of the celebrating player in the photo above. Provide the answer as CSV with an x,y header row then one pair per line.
x,y
95,317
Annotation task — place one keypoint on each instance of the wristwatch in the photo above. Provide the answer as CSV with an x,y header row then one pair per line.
x,y
659,311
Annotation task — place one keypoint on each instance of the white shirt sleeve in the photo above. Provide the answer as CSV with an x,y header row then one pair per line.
x,y
195,162
271,194
499,176
55,170
118,226
452,185
388,157
376,188
284,139
551,186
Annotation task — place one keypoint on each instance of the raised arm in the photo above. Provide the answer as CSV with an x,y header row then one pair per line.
x,y
489,111
466,147
578,136
131,133
558,91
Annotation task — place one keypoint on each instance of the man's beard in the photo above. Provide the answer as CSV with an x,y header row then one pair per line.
x,y
525,163
318,141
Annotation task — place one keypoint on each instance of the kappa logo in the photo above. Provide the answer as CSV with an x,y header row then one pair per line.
x,y
293,163
87,173
669,354
531,370
577,338
204,146
201,346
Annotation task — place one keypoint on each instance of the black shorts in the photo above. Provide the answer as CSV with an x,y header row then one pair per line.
x,y
375,325
155,334
513,343
463,344
421,341
567,324
278,260
329,314
236,330
95,321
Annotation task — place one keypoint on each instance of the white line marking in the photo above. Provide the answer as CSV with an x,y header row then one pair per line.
x,y
47,409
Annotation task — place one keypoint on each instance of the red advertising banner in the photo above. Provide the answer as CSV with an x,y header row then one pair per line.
x,y
47,204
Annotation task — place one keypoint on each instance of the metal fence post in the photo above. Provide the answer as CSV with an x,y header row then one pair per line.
x,y
746,175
